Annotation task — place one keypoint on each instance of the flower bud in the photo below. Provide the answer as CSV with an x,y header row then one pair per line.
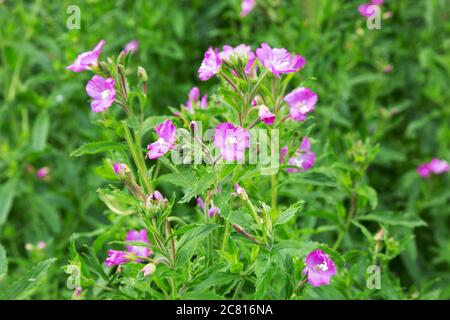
x,y
240,192
121,169
156,201
149,269
142,74
213,211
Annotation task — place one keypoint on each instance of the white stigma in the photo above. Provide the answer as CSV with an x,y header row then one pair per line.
x,y
105,94
323,266
232,140
303,107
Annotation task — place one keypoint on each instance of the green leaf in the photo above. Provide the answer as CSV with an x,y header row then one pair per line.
x,y
290,212
40,131
197,233
296,247
25,286
370,194
3,262
406,219
7,194
201,296
216,279
97,147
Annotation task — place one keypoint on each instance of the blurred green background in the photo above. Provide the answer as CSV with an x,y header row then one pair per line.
x,y
45,114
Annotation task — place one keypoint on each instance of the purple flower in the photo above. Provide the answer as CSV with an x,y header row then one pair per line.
x,y
204,102
86,60
301,101
279,60
42,173
138,236
283,154
366,10
232,141
438,166
200,203
213,211
131,47
210,64
120,168
116,258
265,115
102,93
320,268
241,52
423,170
303,159
166,140
193,97
246,7
435,166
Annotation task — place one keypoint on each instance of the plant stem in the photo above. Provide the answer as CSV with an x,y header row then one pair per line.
x,y
137,157
273,181
351,214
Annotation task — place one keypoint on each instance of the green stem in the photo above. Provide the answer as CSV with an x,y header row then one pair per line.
x,y
273,181
351,214
137,157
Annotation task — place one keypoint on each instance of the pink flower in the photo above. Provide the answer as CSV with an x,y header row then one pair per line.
x,y
41,245
438,166
241,52
423,170
283,154
435,166
156,201
166,140
232,141
388,68
42,173
279,60
200,203
320,268
265,115
116,258
240,192
246,7
301,101
131,47
193,97
366,10
102,93
213,211
138,236
88,59
210,64
204,102
120,168
303,159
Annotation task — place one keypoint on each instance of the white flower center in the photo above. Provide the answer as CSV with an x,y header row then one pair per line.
x,y
299,162
231,140
323,266
105,94
303,107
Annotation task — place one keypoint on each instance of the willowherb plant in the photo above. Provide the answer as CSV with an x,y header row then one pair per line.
x,y
234,242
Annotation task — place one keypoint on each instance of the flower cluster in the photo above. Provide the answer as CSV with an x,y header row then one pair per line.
x,y
435,166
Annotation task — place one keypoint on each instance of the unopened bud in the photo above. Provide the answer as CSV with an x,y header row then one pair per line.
x,y
142,74
149,269
240,192
379,235
121,169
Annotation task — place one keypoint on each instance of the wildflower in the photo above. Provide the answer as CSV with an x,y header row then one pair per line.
x,y
193,97
210,64
87,60
241,52
301,101
303,159
41,245
423,170
320,268
166,140
232,141
366,9
265,115
156,200
77,293
42,173
116,257
131,47
388,68
283,153
200,203
204,101
120,169
149,269
435,166
279,60
102,92
213,211
138,236
254,102
246,7
240,192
